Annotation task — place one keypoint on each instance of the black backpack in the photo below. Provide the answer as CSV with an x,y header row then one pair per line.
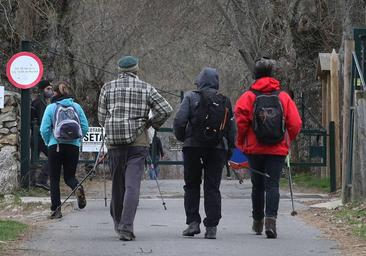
x,y
268,122
212,116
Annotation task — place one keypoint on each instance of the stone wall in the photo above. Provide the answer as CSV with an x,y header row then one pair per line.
x,y
9,142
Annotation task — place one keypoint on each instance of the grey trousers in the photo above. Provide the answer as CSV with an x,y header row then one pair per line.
x,y
127,166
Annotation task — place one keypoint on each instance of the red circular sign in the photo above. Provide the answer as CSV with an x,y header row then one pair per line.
x,y
24,70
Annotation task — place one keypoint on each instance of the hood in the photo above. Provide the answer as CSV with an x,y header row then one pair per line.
x,y
208,78
65,101
266,84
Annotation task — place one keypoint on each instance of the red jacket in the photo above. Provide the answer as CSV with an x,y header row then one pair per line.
x,y
246,140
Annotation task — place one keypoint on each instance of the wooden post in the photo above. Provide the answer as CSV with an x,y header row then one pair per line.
x,y
323,73
323,170
349,46
328,119
334,111
359,148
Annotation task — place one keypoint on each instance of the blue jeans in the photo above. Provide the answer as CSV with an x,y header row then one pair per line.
x,y
154,172
265,191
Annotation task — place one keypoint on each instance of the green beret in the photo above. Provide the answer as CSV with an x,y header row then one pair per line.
x,y
128,64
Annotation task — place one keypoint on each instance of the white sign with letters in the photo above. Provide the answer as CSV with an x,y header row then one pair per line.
x,y
2,96
93,140
24,70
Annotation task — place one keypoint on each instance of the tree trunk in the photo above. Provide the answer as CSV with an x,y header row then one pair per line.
x,y
359,148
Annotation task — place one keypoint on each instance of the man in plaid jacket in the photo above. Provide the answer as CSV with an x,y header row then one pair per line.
x,y
123,111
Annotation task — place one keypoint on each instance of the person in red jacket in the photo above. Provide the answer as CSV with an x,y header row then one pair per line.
x,y
262,156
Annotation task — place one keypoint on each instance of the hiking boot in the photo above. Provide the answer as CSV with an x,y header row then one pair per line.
x,y
126,235
270,227
192,229
42,185
258,226
55,215
80,195
210,232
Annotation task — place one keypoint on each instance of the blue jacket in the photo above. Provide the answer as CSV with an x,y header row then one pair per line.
x,y
208,79
46,128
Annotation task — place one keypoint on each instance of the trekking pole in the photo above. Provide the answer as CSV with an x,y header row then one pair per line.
x,y
238,177
157,183
248,168
104,175
259,172
293,213
97,162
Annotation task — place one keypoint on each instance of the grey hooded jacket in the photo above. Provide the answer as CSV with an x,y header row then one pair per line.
x,y
208,79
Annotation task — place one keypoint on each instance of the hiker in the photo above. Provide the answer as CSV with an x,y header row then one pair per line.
x,y
267,121
38,106
158,153
204,123
63,125
123,111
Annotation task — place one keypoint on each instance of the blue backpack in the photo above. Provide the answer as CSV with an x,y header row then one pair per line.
x,y
66,123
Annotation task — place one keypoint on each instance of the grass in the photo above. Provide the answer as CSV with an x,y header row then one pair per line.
x,y
15,198
10,230
355,216
31,192
307,180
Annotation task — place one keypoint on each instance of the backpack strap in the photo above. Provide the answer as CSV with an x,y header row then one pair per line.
x,y
256,92
274,92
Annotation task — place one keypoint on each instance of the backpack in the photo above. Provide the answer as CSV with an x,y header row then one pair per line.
x,y
268,122
212,116
66,123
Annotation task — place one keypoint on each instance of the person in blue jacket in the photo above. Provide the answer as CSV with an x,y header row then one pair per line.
x,y
62,154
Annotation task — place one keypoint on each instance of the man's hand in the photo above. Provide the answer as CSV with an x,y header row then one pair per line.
x,y
229,153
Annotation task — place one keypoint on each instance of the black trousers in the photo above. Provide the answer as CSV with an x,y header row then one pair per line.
x,y
43,175
211,161
67,158
265,191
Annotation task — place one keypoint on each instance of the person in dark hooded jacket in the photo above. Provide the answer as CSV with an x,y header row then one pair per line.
x,y
38,106
198,156
268,158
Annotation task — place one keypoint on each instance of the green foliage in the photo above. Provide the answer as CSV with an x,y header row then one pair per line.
x,y
307,180
354,215
10,230
31,192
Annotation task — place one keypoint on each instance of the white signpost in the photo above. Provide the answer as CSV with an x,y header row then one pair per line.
x,y
24,70
2,96
93,140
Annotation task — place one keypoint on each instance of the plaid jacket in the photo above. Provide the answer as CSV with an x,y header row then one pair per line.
x,y
124,106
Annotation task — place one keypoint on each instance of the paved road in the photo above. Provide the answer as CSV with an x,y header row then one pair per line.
x,y
90,231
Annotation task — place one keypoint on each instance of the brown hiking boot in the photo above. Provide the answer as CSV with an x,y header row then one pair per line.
x,y
55,215
258,226
80,195
192,229
126,236
270,227
211,232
